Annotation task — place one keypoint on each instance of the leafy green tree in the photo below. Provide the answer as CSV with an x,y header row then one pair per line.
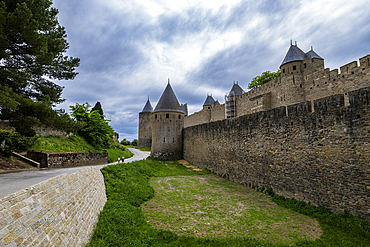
x,y
96,130
262,79
134,142
125,142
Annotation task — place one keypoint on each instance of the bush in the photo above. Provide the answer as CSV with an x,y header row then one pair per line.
x,y
14,142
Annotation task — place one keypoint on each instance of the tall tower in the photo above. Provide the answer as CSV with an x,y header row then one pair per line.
x,y
167,125
145,126
295,66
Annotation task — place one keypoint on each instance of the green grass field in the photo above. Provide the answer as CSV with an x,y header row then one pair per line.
x,y
164,203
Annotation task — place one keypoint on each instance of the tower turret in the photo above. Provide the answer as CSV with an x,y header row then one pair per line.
x,y
145,126
167,125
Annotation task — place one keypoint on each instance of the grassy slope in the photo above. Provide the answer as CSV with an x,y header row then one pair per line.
x,y
122,222
76,144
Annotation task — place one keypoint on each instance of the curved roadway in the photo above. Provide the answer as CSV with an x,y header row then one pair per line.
x,y
13,182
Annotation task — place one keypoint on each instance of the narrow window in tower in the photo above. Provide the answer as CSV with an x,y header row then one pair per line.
x,y
155,116
164,139
283,71
179,116
294,67
304,65
293,80
167,115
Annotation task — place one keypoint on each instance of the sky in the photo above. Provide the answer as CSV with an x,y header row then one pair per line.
x,y
129,48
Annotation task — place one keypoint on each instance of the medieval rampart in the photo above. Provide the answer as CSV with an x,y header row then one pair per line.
x,y
315,153
61,211
308,84
42,130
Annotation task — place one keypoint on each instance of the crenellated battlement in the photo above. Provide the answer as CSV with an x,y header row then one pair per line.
x,y
302,81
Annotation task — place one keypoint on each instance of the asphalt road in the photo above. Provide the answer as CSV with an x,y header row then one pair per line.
x,y
12,182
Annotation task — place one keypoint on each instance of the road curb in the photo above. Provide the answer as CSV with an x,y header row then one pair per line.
x,y
19,170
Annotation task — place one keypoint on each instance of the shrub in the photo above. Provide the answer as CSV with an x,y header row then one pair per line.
x,y
14,142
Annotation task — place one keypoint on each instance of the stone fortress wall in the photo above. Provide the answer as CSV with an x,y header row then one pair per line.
x,y
317,153
309,81
40,130
61,211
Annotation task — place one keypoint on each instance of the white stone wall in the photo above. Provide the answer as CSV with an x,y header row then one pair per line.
x,y
61,211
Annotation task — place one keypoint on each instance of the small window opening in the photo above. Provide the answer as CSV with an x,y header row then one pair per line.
x,y
155,116
164,139
333,79
179,116
293,80
294,67
326,82
209,107
304,65
353,72
167,115
300,85
283,71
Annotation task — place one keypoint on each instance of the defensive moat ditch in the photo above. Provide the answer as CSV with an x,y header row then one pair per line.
x,y
173,203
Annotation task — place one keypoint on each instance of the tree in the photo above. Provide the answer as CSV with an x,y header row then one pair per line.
x,y
262,79
125,142
96,130
134,142
98,108
32,44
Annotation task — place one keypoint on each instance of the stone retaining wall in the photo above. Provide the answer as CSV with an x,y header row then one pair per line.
x,y
321,157
61,211
63,160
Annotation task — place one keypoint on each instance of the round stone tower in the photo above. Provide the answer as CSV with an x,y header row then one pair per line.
x,y
145,126
167,125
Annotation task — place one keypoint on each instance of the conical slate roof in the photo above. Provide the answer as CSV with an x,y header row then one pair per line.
x,y
216,102
237,89
148,107
293,54
168,101
209,100
313,54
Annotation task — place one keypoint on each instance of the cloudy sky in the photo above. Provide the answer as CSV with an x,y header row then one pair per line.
x,y
128,48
